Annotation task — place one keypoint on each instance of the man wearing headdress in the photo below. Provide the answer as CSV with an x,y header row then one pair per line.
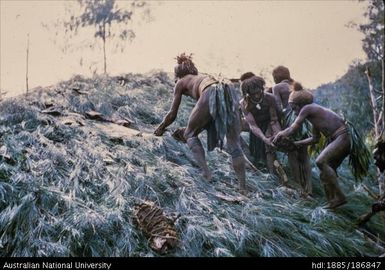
x,y
260,113
342,141
299,160
216,110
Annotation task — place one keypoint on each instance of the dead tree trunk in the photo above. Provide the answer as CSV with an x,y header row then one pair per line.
x,y
373,104
26,72
104,48
381,181
383,89
377,123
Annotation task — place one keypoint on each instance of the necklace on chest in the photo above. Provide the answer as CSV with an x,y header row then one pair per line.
x,y
256,102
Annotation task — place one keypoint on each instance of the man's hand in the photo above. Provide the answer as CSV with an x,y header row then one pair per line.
x,y
278,136
268,141
159,131
297,144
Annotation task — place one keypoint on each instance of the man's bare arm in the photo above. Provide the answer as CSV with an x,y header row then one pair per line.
x,y
311,140
274,123
173,112
278,99
254,128
275,127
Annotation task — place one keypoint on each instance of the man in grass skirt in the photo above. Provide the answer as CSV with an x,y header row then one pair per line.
x,y
216,110
343,140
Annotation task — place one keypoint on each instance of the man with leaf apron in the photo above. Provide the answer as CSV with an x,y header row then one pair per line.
x,y
343,140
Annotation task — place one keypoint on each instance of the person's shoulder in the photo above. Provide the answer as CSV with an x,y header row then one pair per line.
x,y
180,83
281,86
190,77
269,97
187,79
312,107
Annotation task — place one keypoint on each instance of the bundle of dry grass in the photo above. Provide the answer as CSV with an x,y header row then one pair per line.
x,y
158,228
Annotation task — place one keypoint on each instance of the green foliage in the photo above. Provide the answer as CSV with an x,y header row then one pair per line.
x,y
316,149
373,42
349,95
303,132
360,157
70,189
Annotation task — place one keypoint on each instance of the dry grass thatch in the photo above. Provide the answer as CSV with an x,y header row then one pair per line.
x,y
69,184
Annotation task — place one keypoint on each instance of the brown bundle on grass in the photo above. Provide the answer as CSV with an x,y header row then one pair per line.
x,y
158,228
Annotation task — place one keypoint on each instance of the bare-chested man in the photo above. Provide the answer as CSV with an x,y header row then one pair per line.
x,y
216,110
299,160
260,112
334,128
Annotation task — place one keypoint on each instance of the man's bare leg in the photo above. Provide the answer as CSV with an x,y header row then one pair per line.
x,y
328,162
239,168
325,175
198,119
198,151
270,157
238,159
328,177
275,167
305,170
333,191
294,166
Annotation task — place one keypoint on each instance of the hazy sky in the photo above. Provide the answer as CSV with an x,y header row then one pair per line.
x,y
228,37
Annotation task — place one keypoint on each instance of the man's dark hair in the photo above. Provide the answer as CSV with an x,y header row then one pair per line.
x,y
246,75
281,73
185,66
254,82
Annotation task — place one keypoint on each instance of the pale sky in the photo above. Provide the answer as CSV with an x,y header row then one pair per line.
x,y
227,37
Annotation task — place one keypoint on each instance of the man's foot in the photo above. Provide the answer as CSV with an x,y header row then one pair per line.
x,y
281,172
336,203
307,196
244,190
207,176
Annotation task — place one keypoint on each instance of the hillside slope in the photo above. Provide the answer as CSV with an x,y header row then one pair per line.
x,y
76,157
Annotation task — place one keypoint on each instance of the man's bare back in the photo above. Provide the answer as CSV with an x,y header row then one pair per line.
x,y
282,91
189,86
322,119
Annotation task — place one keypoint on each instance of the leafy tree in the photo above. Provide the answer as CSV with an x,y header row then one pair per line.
x,y
347,95
362,83
373,42
105,17
373,45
